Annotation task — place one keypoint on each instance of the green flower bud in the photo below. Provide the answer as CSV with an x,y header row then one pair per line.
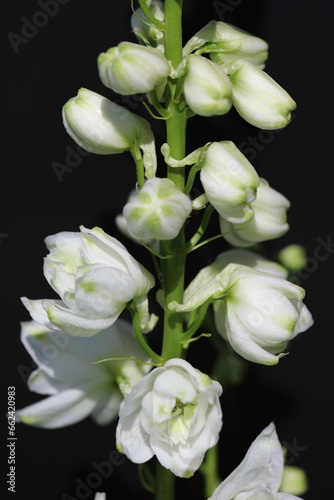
x,y
294,481
158,211
130,68
225,42
207,88
293,257
258,98
102,127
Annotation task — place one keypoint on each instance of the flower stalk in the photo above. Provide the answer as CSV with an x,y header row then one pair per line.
x,y
173,268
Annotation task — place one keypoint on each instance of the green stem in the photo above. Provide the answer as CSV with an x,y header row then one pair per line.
x,y
140,169
159,24
201,229
140,337
209,469
164,483
176,139
173,268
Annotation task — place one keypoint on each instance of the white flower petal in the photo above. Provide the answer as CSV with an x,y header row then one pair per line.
x,y
261,468
41,383
107,409
38,313
65,408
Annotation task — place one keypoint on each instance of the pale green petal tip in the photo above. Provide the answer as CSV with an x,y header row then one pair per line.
x,y
188,474
205,379
119,448
25,419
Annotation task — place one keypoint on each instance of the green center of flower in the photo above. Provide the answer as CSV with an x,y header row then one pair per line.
x,y
180,421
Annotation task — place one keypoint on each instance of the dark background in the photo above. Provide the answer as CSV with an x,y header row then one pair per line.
x,y
39,77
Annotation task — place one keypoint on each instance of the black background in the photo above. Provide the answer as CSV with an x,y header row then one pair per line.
x,y
39,77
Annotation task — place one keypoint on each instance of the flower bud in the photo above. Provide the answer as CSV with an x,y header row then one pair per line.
x,y
207,88
258,98
158,211
230,181
228,42
293,257
130,68
269,220
294,481
102,127
145,31
256,312
260,313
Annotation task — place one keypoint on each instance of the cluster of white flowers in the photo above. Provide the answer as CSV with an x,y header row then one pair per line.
x,y
103,367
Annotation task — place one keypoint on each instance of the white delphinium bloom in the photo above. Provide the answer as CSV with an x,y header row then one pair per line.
x,y
102,127
259,99
207,88
96,278
145,31
230,181
259,475
269,219
76,387
257,313
174,413
157,211
224,41
130,68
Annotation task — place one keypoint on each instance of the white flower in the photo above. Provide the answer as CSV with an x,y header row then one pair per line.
x,y
174,413
207,88
158,211
102,127
258,99
130,68
255,312
76,387
225,42
268,222
96,277
229,180
259,475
